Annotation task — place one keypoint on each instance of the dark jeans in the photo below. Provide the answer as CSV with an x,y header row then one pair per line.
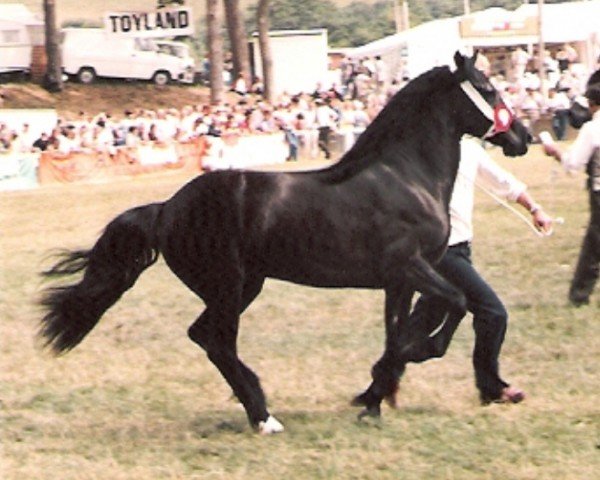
x,y
324,140
588,265
489,321
560,122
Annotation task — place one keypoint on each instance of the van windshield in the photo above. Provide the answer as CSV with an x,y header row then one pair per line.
x,y
145,44
179,51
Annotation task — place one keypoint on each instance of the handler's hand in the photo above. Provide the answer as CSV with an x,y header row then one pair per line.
x,y
542,221
552,150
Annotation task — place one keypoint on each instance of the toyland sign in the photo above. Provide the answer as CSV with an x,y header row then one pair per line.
x,y
167,22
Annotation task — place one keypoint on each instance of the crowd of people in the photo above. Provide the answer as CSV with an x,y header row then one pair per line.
x,y
308,119
303,118
531,97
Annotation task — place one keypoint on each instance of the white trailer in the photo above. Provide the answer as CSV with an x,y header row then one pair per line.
x,y
300,59
20,31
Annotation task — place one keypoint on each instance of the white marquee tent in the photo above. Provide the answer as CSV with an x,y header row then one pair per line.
x,y
434,43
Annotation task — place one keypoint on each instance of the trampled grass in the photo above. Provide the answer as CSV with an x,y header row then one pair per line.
x,y
137,400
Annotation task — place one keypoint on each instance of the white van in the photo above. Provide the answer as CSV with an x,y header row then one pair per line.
x,y
88,53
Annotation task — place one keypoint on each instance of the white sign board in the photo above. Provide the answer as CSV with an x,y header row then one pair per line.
x,y
166,22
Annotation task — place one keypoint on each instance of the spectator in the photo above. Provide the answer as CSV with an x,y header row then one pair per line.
x,y
558,105
41,143
380,73
326,118
519,59
257,87
240,86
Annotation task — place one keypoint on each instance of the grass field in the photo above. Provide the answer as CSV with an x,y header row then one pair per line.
x,y
137,400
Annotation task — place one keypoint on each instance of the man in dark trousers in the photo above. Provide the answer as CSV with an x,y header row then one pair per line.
x,y
433,322
585,153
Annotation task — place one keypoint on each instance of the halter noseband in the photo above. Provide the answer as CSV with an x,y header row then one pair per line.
x,y
500,115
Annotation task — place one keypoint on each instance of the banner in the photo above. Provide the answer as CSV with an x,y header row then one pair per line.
x,y
165,22
503,25
100,167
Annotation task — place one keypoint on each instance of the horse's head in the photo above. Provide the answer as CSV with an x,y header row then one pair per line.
x,y
579,113
486,114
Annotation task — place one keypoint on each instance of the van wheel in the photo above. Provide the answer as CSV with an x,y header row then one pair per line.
x,y
86,75
161,77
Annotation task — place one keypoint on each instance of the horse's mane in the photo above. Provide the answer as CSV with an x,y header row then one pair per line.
x,y
404,109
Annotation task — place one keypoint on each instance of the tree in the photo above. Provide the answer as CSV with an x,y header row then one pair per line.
x,y
215,51
266,56
238,39
53,78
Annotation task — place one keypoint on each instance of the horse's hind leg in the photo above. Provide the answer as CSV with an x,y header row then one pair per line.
x,y
216,331
400,343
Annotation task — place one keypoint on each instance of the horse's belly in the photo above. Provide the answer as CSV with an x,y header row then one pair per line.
x,y
336,271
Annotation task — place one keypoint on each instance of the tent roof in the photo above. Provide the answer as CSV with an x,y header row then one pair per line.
x,y
435,29
562,22
566,22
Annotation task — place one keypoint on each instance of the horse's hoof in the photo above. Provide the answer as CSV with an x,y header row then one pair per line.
x,y
270,426
392,400
359,400
370,412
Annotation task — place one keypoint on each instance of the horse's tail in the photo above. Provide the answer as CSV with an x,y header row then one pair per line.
x,y
126,248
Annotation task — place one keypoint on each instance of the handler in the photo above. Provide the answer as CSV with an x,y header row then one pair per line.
x,y
432,321
585,152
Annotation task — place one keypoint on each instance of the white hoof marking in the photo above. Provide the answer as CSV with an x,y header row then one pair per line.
x,y
270,426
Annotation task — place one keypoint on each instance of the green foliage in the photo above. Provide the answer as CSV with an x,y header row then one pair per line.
x,y
82,23
353,25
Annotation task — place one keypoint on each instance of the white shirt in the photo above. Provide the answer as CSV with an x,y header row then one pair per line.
x,y
581,151
325,116
476,166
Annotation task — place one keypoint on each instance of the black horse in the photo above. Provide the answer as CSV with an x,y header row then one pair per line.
x,y
377,219
578,113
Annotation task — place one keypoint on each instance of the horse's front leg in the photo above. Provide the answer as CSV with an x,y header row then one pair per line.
x,y
216,331
387,370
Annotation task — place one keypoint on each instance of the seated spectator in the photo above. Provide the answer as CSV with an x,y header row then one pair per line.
x,y
239,86
132,138
257,87
67,141
104,139
530,108
41,143
268,123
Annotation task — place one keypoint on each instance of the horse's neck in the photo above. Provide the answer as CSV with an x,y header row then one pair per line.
x,y
415,135
431,154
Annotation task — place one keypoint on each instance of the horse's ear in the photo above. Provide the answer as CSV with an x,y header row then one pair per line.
x,y
459,60
461,68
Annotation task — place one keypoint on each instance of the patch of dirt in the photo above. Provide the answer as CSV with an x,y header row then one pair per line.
x,y
110,97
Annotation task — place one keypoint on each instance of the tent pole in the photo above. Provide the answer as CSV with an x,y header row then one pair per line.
x,y
541,48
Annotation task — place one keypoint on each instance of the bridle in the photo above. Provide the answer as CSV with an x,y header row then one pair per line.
x,y
501,115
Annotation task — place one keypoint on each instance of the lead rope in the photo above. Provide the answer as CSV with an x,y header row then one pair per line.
x,y
505,204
